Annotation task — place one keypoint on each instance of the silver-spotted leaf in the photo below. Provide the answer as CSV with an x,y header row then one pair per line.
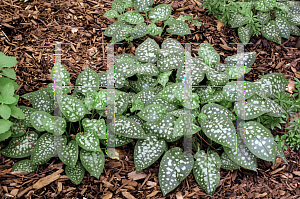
x,y
55,125
147,69
142,5
271,32
100,100
244,33
118,140
139,30
145,95
63,75
111,29
89,141
263,17
68,154
159,100
284,27
17,128
42,102
44,149
181,128
24,166
121,104
111,14
75,174
133,17
212,108
152,29
36,119
152,112
178,27
238,20
160,12
163,78
73,108
93,162
117,5
27,112
87,81
172,61
128,128
137,105
245,88
148,51
168,93
246,59
171,43
236,72
98,126
273,83
217,78
248,111
228,164
295,30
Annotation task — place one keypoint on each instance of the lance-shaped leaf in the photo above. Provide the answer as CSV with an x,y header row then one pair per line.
x,y
159,100
118,140
197,70
160,12
31,95
174,167
284,27
128,128
236,72
206,170
148,151
100,100
139,30
168,93
170,43
98,126
263,17
42,102
228,164
244,33
248,110
163,78
65,89
273,83
137,105
137,119
180,127
294,20
111,29
261,5
247,59
145,82
172,61
121,104
87,81
89,141
178,27
133,17
217,78
280,153
148,51
220,129
72,108
271,32
259,140
126,67
68,154
64,75
36,119
55,125
142,5
238,20
231,90
152,112
20,147
212,108
241,154
152,29
125,56
145,95
295,30
147,69
27,112
217,97
117,5
93,162
75,174
24,166
111,14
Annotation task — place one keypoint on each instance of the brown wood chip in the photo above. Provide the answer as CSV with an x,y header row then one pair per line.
x,y
128,195
152,194
137,176
109,195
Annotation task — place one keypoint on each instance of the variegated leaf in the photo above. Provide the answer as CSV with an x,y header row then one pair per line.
x,y
148,51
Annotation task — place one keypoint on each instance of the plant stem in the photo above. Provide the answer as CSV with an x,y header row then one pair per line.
x,y
208,144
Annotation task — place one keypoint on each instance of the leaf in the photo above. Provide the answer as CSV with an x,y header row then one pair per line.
x,y
9,73
159,100
100,100
284,27
244,34
152,112
273,83
196,23
246,59
55,125
147,69
111,29
5,111
139,30
68,154
31,95
263,17
160,12
42,102
36,119
127,3
163,78
168,93
7,91
270,3
63,75
212,108
25,166
174,167
294,20
248,111
190,103
206,170
51,90
294,9
271,32
89,141
180,127
72,108
170,43
217,97
170,62
117,5
164,52
117,140
75,174
137,105
7,61
98,126
87,81
27,112
20,147
148,151
17,130
4,136
295,30
245,88
147,51
133,17
178,27
220,129
261,5
217,78
152,29
228,164
111,14
128,128
126,67
93,162
280,153
197,70
142,5
145,82
259,140
121,104
238,20
145,95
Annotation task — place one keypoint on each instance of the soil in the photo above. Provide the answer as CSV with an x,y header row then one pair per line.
x,y
27,31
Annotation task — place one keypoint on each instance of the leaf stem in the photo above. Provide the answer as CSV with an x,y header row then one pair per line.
x,y
208,144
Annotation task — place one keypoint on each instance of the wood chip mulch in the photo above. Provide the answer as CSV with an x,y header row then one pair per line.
x,y
26,29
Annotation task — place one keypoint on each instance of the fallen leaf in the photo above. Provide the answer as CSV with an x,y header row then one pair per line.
x,y
281,192
152,194
14,192
179,195
220,25
108,196
290,86
296,173
258,195
128,195
137,176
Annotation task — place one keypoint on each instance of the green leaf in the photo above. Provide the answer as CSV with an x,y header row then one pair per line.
x,y
163,78
241,154
25,166
4,81
7,91
172,61
197,69
220,129
117,5
51,90
75,174
231,90
148,151
280,153
93,162
152,112
126,67
196,23
5,125
31,95
98,126
9,73
100,100
16,112
145,82
262,6
7,61
170,43
20,147
271,32
270,3
247,59
228,164
212,108
152,29
238,20
168,93
118,140
111,29
111,14
42,102
273,83
142,5
193,102
133,17
89,141
263,17
72,108
55,125
160,12
294,20
4,136
178,27
180,127
209,54
137,105
159,100
284,27
244,34
147,51
295,30
5,111
127,3
249,110
139,30
87,81
174,167
206,170
217,78
27,112
36,119
236,72
145,95
147,69
64,75
128,128
259,140
68,154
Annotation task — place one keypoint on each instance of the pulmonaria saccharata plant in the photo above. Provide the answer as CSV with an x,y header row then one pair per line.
x,y
131,24
150,107
273,19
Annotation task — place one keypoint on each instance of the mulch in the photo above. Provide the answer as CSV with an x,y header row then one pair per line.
x,y
27,31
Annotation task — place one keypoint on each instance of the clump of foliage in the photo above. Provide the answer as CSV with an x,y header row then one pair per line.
x,y
273,19
151,107
9,113
131,24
